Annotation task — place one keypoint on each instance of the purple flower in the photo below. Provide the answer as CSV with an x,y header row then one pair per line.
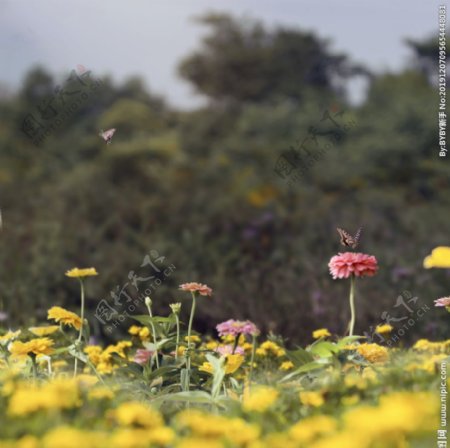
x,y
235,327
142,356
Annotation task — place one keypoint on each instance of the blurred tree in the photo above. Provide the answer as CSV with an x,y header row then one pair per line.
x,y
242,61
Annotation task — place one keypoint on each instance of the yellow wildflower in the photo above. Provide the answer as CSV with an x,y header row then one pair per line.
x,y
373,352
193,338
286,365
45,330
439,258
269,347
38,346
311,398
384,329
101,393
68,437
138,414
80,273
260,399
232,363
57,394
65,317
9,336
309,429
321,333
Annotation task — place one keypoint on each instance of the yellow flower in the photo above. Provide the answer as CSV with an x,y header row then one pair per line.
x,y
135,413
260,399
193,338
44,330
68,437
439,258
9,336
321,333
65,317
311,398
286,365
350,400
269,347
384,329
310,428
142,332
38,346
373,352
232,363
80,273
101,393
57,394
141,438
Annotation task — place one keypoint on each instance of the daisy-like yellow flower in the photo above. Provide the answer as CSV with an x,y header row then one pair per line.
x,y
44,330
193,338
9,336
38,346
321,333
384,329
65,317
80,273
373,352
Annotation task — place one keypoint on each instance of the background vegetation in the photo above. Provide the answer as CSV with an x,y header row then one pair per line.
x,y
199,186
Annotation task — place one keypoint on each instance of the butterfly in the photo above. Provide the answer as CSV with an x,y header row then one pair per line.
x,y
347,239
107,135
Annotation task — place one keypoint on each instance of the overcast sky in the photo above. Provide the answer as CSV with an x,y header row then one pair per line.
x,y
149,37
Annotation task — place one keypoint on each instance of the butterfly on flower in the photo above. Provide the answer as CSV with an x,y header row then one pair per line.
x,y
347,239
107,135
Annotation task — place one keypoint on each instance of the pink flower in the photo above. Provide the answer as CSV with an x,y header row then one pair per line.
x,y
228,350
343,265
202,289
234,327
443,301
142,356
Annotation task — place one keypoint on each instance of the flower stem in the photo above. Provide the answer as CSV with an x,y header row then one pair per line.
x,y
80,334
149,307
188,350
352,304
252,360
177,319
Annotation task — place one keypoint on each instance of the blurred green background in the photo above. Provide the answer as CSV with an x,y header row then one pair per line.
x,y
200,188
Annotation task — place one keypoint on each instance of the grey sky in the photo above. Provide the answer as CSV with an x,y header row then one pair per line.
x,y
148,38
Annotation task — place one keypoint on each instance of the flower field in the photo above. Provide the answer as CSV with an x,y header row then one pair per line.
x,y
166,385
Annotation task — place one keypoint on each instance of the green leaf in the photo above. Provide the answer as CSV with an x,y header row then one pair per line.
x,y
324,349
348,340
299,357
194,396
76,353
314,365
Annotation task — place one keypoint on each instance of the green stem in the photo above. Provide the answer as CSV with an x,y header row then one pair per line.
x,y
188,354
252,360
80,335
154,334
352,304
177,344
236,341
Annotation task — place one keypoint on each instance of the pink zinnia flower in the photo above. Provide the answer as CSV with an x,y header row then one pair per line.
x,y
142,356
234,327
343,265
443,301
202,289
228,350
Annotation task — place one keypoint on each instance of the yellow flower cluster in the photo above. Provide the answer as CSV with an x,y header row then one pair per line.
x,y
259,399
80,273
55,395
210,430
371,352
424,345
268,348
143,333
103,359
